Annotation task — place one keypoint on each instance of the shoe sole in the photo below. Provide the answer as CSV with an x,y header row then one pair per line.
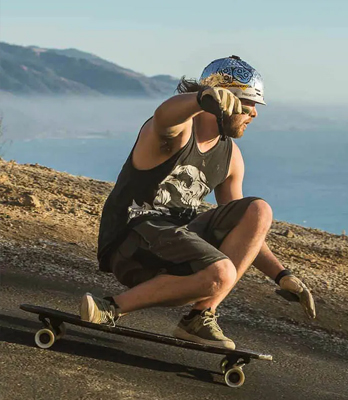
x,y
182,334
87,308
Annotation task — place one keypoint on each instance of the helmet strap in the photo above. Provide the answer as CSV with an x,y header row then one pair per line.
x,y
219,121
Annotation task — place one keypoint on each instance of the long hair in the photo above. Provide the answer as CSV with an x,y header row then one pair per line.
x,y
188,85
191,85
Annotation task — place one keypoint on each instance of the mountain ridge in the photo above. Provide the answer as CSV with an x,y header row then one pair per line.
x,y
35,70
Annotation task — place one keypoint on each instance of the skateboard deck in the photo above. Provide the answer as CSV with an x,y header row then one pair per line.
x,y
54,329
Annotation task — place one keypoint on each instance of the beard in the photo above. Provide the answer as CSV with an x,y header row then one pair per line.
x,y
234,126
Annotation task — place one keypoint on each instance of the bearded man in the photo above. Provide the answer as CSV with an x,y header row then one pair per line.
x,y
153,237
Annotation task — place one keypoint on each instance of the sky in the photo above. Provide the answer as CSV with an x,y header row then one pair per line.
x,y
299,47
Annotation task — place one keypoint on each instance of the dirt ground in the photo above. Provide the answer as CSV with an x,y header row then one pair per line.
x,y
49,225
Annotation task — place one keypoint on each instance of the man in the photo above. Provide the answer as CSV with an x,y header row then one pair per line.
x,y
151,236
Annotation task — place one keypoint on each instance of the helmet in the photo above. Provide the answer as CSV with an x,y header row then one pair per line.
x,y
236,75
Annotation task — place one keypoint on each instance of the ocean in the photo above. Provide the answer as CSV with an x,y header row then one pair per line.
x,y
302,175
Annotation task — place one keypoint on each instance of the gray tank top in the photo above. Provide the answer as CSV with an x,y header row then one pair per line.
x,y
173,190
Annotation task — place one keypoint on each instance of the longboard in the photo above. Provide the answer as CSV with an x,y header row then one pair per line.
x,y
54,329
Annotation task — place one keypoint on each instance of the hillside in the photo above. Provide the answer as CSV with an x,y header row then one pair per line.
x,y
49,225
34,70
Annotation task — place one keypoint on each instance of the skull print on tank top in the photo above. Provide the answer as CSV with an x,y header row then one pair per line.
x,y
174,189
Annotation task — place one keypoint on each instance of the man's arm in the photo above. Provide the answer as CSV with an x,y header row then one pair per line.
x,y
266,261
171,126
167,132
231,189
171,117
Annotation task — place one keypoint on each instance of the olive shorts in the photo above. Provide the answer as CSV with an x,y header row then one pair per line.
x,y
160,246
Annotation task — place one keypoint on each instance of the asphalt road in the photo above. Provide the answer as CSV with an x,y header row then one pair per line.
x,y
87,364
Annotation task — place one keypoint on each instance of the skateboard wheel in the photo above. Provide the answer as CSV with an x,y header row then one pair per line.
x,y
45,338
234,377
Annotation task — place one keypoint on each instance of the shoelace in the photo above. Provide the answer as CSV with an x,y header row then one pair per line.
x,y
210,319
106,316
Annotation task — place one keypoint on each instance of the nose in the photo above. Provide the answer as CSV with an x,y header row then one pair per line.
x,y
253,113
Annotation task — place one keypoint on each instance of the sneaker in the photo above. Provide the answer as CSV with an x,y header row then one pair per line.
x,y
98,311
204,329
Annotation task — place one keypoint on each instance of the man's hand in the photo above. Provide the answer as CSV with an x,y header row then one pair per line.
x,y
216,100
293,285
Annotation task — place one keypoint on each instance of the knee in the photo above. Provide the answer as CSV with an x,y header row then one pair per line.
x,y
261,213
221,276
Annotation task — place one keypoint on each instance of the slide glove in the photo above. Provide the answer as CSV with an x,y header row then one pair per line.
x,y
216,100
293,286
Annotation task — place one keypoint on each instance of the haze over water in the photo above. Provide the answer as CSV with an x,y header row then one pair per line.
x,y
295,160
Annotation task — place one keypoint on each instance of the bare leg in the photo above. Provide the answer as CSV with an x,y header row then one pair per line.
x,y
243,244
169,290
